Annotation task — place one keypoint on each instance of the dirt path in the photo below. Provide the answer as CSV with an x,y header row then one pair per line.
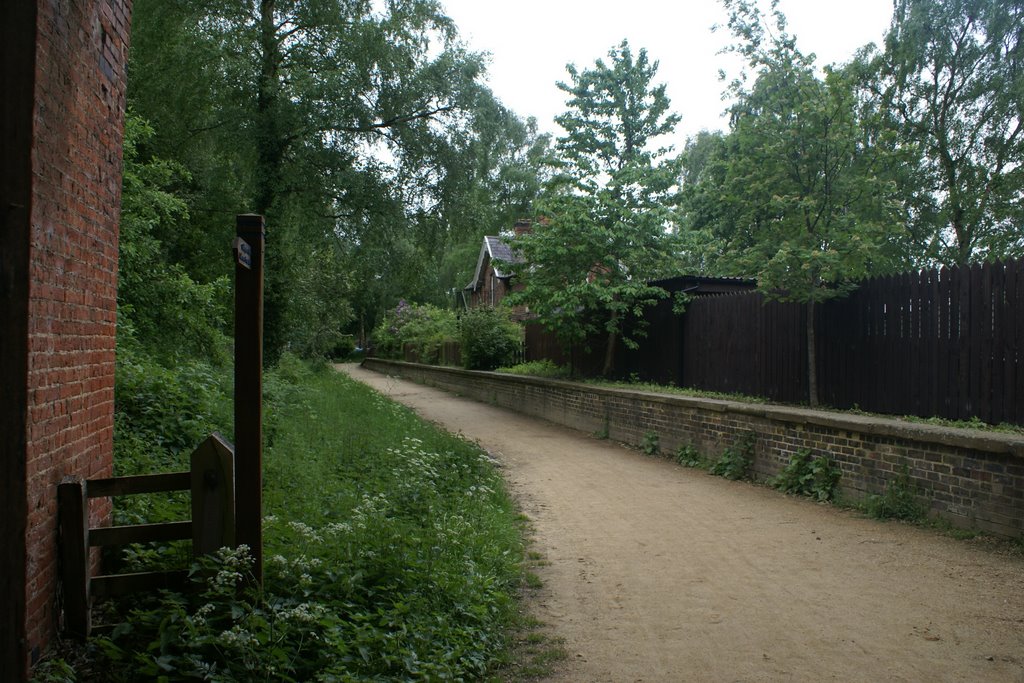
x,y
662,573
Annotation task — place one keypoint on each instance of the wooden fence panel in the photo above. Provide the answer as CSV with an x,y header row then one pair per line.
x,y
996,390
946,342
1018,344
963,344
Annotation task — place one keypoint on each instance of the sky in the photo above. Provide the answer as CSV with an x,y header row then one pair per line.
x,y
531,41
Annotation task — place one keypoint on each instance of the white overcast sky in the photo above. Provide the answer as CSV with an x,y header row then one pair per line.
x,y
531,41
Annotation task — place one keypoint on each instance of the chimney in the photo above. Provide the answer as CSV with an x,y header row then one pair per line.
x,y
522,226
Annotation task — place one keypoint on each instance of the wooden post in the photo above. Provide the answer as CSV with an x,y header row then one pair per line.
x,y
74,554
248,248
213,495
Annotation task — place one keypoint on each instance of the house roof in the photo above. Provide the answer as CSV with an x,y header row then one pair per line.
x,y
493,249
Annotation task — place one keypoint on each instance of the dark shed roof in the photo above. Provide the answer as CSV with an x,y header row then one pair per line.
x,y
493,249
699,285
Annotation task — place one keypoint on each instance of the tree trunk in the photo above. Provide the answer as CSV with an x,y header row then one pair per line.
x,y
812,358
609,352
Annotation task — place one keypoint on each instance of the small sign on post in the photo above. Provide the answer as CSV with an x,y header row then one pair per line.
x,y
243,253
248,247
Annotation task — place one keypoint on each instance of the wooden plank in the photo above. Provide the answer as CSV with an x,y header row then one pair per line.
x,y
885,332
828,347
871,398
964,407
791,345
905,394
125,584
983,329
213,495
140,533
914,379
1017,315
851,331
864,363
897,298
73,509
975,332
1008,331
997,347
931,367
953,359
777,364
883,367
802,360
142,483
771,362
943,387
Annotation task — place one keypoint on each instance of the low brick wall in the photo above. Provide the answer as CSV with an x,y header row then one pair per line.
x,y
973,479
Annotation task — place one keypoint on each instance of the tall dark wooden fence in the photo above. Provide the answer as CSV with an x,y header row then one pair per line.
x,y
947,343
944,342
741,343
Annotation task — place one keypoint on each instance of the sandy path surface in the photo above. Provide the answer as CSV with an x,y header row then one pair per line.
x,y
662,573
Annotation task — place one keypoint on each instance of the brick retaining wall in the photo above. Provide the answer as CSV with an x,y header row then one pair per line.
x,y
973,479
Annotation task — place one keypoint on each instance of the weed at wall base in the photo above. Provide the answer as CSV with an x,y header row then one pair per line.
x,y
817,477
688,456
899,501
735,462
651,444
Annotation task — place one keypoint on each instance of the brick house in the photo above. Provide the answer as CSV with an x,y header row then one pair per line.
x,y
63,77
493,281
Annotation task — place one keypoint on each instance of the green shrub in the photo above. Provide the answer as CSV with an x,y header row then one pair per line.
x,y
735,462
897,502
489,338
392,552
171,408
689,457
651,443
815,477
160,305
424,327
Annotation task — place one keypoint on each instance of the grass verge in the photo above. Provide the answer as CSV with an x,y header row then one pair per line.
x,y
392,553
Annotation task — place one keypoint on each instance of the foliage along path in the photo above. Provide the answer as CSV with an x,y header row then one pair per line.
x,y
661,573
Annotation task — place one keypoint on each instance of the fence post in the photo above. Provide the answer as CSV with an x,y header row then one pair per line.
x,y
73,512
249,387
213,495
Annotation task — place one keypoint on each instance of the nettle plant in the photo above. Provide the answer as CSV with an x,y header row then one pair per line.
x,y
222,629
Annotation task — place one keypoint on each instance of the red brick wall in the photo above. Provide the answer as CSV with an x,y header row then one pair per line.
x,y
17,64
81,52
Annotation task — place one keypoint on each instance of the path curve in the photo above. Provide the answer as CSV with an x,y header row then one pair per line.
x,y
662,573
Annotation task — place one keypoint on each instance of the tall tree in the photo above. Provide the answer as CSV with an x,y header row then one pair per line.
x,y
951,79
318,113
610,204
800,204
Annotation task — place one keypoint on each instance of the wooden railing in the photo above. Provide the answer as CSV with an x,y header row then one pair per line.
x,y
210,480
